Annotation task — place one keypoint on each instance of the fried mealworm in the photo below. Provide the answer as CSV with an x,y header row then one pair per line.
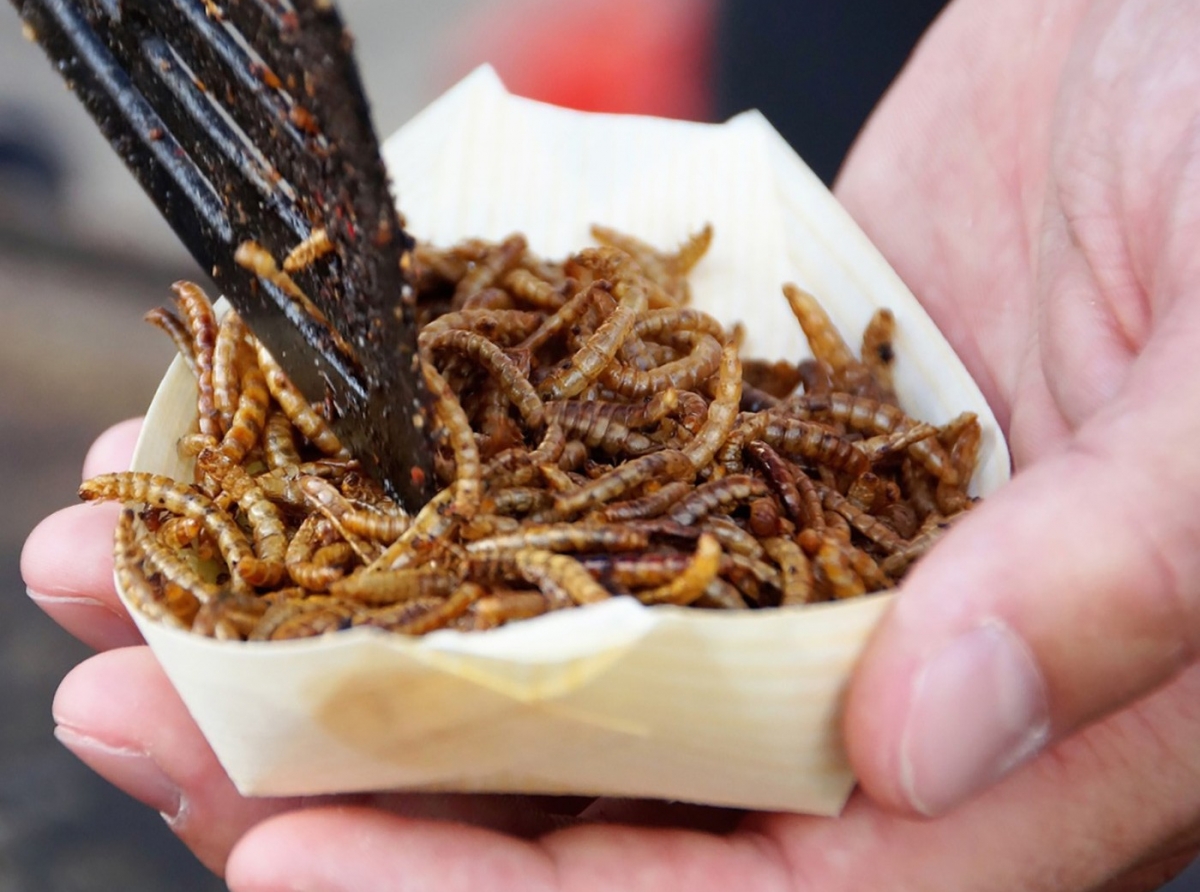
x,y
177,498
196,310
695,578
298,410
309,251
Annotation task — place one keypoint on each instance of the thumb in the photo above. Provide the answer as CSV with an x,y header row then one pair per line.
x,y
1071,592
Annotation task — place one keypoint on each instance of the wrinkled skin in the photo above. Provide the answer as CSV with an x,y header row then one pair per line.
x,y
1034,176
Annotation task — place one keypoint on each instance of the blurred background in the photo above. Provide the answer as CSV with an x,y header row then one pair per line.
x,y
83,255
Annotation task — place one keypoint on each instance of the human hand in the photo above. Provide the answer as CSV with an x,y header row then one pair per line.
x,y
1105,797
1035,177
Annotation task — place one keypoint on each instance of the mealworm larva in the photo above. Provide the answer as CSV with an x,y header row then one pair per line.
x,y
518,466
722,411
650,505
813,443
833,570
777,379
565,316
720,595
226,376
556,575
394,586
871,527
703,358
814,377
670,464
565,537
486,526
303,618
883,446
489,269
795,569
131,577
513,382
732,537
718,496
765,520
529,288
177,533
266,526
324,497
872,417
755,400
300,556
750,576
309,251
931,531
633,571
440,615
177,498
780,479
865,492
879,352
556,478
653,324
901,517
279,443
599,425
258,260
164,320
432,522
176,569
468,486
823,337
499,326
521,500
196,310
586,364
233,616
667,269
377,524
695,578
298,410
919,486
498,609
964,453
250,416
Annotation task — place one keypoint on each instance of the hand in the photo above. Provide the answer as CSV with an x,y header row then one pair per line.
x,y
1070,307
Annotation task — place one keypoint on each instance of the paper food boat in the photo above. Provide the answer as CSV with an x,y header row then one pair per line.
x,y
614,699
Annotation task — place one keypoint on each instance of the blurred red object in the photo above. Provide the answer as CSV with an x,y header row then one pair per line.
x,y
631,56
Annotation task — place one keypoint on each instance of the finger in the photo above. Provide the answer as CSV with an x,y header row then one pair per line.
x,y
67,560
113,449
67,566
1067,594
119,714
1073,819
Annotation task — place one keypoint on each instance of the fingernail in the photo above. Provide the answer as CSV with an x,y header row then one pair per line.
x,y
131,770
979,710
105,628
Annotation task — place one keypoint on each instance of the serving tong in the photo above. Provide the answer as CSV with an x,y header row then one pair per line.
x,y
245,121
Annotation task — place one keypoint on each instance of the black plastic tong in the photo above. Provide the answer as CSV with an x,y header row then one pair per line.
x,y
245,121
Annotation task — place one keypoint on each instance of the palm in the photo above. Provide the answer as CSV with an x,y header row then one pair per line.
x,y
1015,177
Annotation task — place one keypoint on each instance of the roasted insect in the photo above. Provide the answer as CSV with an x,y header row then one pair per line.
x,y
596,438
